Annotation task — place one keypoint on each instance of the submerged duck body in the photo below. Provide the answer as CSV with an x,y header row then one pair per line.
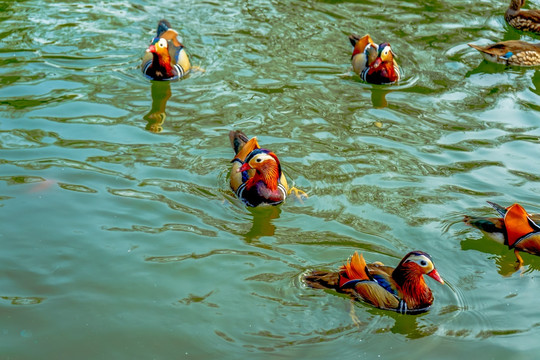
x,y
511,52
516,229
165,58
401,289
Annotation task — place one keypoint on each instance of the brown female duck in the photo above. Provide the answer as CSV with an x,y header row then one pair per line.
x,y
511,52
526,20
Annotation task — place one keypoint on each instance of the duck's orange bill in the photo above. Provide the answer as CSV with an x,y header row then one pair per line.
x,y
517,223
435,275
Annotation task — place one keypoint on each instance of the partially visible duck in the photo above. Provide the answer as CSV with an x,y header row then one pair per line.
x,y
165,58
516,229
256,176
374,63
511,52
526,20
401,289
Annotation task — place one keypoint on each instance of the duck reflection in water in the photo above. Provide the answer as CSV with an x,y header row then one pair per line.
x,y
262,225
504,261
378,98
410,327
536,83
161,92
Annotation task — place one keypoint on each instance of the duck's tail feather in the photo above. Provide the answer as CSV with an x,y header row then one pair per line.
x,y
354,39
501,210
242,145
322,279
163,26
238,140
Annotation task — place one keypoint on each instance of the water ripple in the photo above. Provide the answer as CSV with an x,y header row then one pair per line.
x,y
40,164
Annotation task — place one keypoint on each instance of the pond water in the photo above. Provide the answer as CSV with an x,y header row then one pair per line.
x,y
121,238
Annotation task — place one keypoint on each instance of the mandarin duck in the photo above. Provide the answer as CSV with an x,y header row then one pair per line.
x,y
374,63
526,20
401,289
511,52
165,58
516,229
256,176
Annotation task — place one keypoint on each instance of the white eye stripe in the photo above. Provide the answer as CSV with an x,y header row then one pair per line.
x,y
422,261
162,43
262,157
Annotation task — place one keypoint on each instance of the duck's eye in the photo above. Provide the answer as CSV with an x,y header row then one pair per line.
x,y
423,262
258,160
162,43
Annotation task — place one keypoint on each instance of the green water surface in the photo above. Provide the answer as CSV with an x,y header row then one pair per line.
x,y
120,238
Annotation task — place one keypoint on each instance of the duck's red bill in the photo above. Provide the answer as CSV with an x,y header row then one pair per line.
x,y
435,275
376,63
244,167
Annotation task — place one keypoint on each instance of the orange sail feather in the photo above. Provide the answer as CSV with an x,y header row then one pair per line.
x,y
356,268
517,224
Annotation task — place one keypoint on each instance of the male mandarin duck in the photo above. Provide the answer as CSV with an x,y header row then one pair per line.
x,y
516,229
256,176
165,58
401,289
526,20
374,63
511,52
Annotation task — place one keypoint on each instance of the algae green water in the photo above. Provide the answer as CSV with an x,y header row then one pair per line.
x,y
120,238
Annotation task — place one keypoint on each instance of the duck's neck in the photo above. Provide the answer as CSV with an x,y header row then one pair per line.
x,y
516,4
164,62
384,73
413,288
269,175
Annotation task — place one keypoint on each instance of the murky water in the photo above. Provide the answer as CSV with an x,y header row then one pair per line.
x,y
121,239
